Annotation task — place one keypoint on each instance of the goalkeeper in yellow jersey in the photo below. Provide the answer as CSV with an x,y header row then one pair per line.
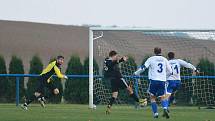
x,y
45,82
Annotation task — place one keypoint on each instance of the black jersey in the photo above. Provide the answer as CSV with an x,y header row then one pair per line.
x,y
111,68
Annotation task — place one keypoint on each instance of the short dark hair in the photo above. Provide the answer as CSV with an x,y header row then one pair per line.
x,y
157,50
60,57
112,53
171,55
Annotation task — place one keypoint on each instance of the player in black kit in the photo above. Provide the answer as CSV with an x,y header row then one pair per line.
x,y
113,74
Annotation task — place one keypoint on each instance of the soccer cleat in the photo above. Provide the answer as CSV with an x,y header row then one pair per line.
x,y
156,115
108,109
166,113
42,103
24,107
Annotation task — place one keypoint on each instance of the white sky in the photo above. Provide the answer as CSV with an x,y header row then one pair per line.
x,y
143,13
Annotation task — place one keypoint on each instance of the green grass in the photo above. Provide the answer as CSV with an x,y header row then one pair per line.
x,y
69,112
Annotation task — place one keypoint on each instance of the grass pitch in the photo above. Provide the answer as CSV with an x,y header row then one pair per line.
x,y
70,112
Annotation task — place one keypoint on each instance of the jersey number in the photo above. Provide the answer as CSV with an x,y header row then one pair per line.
x,y
160,68
176,68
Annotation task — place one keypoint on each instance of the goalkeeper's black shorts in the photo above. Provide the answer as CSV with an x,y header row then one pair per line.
x,y
42,84
117,84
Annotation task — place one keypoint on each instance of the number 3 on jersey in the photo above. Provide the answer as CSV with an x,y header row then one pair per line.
x,y
160,68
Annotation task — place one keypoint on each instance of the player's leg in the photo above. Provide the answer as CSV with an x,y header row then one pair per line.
x,y
175,89
165,104
170,88
162,90
124,85
29,100
50,85
37,95
111,101
154,106
171,98
53,89
173,86
41,98
113,98
152,90
115,89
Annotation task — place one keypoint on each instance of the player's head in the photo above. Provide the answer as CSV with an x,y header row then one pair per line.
x,y
60,59
113,55
171,55
157,51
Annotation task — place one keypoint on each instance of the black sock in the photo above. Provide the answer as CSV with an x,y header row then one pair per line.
x,y
30,100
134,96
111,101
41,97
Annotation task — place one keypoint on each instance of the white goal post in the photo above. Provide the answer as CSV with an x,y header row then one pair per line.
x,y
91,47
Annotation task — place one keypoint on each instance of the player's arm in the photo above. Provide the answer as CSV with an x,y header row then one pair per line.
x,y
122,59
143,67
187,65
48,68
59,74
112,63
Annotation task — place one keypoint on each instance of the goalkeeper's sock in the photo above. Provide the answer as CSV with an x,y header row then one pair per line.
x,y
30,100
165,103
43,98
134,96
154,107
40,98
111,101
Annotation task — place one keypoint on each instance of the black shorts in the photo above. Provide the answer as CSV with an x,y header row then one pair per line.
x,y
118,83
43,84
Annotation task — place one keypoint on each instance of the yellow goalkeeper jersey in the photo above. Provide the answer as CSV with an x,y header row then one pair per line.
x,y
50,70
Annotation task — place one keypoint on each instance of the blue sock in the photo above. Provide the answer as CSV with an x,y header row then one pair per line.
x,y
154,107
165,103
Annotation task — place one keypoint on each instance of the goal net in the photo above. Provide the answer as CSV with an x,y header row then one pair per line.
x,y
194,46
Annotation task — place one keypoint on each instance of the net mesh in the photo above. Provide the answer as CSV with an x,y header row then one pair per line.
x,y
196,47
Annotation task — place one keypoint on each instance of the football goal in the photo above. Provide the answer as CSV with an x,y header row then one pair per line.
x,y
194,46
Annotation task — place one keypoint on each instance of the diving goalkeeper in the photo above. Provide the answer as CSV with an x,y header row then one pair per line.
x,y
44,81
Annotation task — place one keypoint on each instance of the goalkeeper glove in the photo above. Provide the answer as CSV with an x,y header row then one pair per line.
x,y
65,77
